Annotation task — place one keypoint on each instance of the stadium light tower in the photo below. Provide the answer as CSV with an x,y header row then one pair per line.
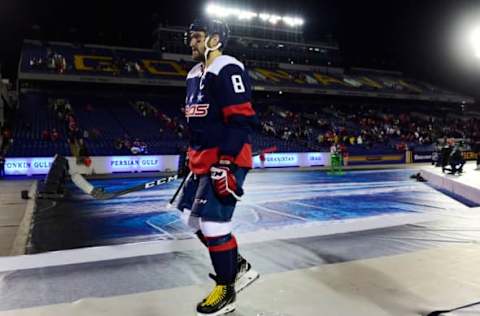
x,y
241,14
475,40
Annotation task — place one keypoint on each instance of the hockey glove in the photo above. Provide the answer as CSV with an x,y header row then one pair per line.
x,y
224,180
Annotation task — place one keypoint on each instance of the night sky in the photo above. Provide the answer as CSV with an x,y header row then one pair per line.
x,y
422,38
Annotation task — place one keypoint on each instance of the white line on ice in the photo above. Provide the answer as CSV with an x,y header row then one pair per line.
x,y
269,210
158,228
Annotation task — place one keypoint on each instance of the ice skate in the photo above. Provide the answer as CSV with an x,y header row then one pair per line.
x,y
220,301
245,275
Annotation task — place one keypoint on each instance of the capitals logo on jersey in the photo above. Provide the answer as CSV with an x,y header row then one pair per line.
x,y
196,110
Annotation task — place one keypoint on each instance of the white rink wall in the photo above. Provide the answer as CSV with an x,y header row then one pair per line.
x,y
100,165
162,163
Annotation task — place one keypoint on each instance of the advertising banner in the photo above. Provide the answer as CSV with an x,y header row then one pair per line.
x,y
100,165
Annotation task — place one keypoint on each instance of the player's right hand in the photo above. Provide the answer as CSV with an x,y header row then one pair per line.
x,y
224,180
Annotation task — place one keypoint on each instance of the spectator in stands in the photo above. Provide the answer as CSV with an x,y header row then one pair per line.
x,y
144,148
72,124
180,130
74,146
82,152
68,108
36,63
334,149
320,139
287,133
55,135
138,68
136,149
118,144
127,143
345,154
7,134
6,139
2,166
95,133
269,129
352,140
50,61
52,105
56,62
46,134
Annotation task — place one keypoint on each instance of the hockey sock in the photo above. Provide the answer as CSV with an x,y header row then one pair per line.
x,y
224,252
204,241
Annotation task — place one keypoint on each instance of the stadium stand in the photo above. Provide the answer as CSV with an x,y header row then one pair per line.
x,y
68,62
362,109
112,125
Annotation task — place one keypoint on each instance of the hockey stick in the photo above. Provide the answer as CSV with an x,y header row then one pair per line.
x,y
438,313
100,194
185,179
180,187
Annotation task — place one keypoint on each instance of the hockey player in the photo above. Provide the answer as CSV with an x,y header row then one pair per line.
x,y
220,118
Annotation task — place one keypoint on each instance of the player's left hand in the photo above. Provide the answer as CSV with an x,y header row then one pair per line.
x,y
224,180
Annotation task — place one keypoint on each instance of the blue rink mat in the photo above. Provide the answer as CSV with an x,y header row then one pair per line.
x,y
273,200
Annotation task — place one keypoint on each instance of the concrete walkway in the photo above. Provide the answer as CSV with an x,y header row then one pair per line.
x,y
12,210
410,284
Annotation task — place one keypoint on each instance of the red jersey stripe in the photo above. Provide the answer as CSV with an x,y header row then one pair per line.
x,y
244,109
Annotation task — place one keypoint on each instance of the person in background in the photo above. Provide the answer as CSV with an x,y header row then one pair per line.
x,y
476,149
2,166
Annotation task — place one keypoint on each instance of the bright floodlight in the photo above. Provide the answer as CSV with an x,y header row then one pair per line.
x,y
274,19
291,21
247,15
224,12
219,11
264,16
476,41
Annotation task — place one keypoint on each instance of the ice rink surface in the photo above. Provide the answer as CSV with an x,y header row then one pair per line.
x,y
273,200
366,243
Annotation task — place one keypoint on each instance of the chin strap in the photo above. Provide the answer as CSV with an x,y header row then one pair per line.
x,y
210,49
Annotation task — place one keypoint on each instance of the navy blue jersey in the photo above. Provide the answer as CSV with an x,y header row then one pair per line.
x,y
219,114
